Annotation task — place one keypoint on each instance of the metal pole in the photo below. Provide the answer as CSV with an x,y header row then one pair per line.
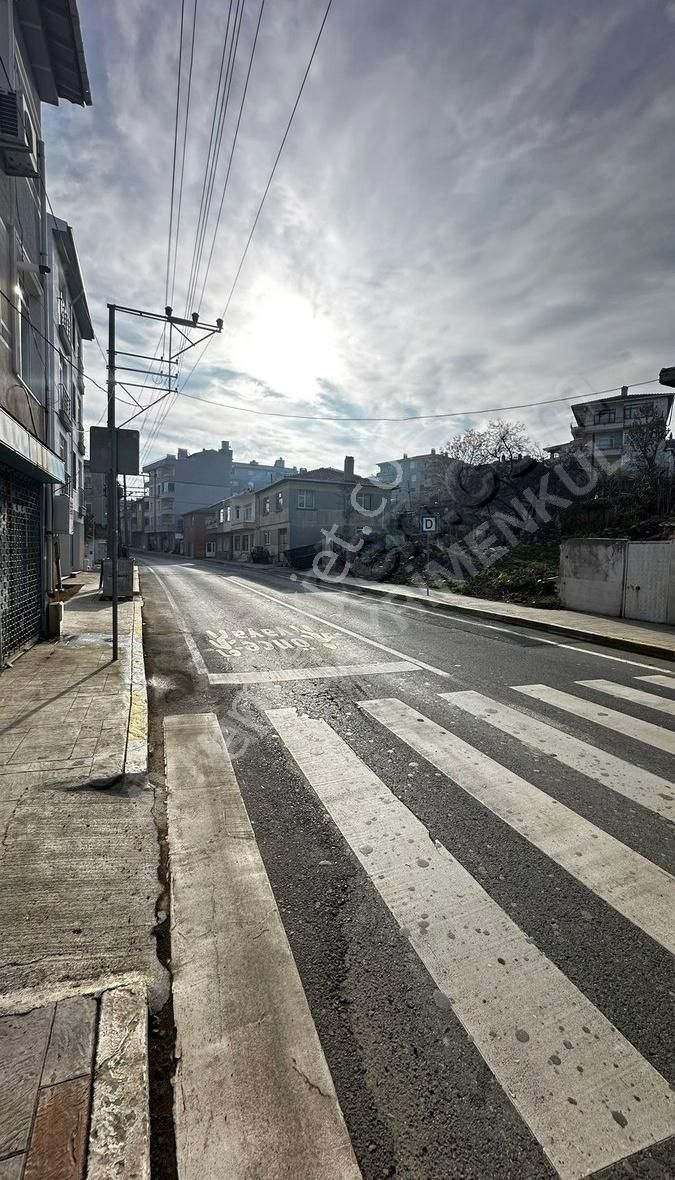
x,y
113,505
428,559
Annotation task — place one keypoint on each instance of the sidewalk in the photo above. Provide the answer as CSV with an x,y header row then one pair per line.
x,y
651,639
78,861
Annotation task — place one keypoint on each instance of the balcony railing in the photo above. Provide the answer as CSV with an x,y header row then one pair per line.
x,y
64,404
65,325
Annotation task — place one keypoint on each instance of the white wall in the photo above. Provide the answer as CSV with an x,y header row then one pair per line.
x,y
592,574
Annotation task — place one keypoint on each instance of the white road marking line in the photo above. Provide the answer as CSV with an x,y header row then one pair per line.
x,y
639,890
257,1095
651,791
626,692
321,672
662,681
570,1073
197,658
519,627
344,630
641,731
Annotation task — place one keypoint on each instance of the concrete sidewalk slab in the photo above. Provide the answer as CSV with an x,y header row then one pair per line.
x,y
73,1088
78,864
254,1095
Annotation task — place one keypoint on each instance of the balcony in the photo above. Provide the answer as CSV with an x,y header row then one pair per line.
x,y
65,328
64,405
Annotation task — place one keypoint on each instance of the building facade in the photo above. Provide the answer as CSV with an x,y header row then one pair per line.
x,y
70,325
602,427
41,47
412,481
288,521
183,483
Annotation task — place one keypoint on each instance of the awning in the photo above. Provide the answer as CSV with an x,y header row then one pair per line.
x,y
53,37
21,449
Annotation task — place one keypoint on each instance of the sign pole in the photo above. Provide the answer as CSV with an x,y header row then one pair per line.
x,y
113,505
427,569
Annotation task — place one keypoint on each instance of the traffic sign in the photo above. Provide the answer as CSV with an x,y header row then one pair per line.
x,y
428,523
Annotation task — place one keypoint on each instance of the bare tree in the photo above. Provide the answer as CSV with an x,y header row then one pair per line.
x,y
646,439
499,438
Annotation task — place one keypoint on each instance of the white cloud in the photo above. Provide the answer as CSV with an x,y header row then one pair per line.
x,y
473,210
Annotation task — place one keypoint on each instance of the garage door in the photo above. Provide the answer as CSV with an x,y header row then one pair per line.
x,y
20,564
647,580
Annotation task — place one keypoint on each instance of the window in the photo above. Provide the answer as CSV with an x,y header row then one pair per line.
x,y
306,499
221,515
632,412
266,506
74,471
365,500
23,335
210,548
237,542
245,542
248,512
279,502
605,416
237,513
267,538
171,487
228,512
608,442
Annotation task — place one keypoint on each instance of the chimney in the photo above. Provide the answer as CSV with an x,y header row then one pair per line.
x,y
624,391
349,467
182,453
225,446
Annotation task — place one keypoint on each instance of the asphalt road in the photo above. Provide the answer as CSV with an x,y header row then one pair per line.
x,y
556,849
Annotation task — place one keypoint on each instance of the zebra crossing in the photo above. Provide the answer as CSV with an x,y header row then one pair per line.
x,y
586,1093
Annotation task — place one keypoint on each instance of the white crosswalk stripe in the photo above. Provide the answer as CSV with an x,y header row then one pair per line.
x,y
587,1094
638,889
651,791
626,692
641,731
662,681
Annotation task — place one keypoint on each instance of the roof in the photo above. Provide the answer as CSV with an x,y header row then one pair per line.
x,y
53,37
63,236
618,400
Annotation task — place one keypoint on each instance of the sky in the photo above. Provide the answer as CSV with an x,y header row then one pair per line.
x,y
474,209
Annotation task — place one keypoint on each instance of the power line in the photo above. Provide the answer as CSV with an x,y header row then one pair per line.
x,y
175,152
216,124
411,417
182,167
278,157
269,181
229,163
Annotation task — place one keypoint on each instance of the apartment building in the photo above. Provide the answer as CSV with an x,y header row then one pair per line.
x,y
602,426
71,324
96,498
412,480
42,51
289,519
183,483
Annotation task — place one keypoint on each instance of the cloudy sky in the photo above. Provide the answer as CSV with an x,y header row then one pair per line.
x,y
474,209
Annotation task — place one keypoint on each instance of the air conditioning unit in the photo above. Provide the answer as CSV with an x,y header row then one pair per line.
x,y
17,137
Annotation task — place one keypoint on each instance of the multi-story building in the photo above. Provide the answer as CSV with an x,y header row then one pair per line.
x,y
412,481
42,52
292,516
96,498
602,426
161,487
70,326
183,483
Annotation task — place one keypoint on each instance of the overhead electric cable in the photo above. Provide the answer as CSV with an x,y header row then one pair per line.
x,y
175,151
229,162
185,134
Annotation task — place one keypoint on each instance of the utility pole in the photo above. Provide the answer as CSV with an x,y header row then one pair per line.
x,y
174,323
113,506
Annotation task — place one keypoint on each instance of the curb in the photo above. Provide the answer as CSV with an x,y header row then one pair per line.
x,y
136,761
119,1134
626,643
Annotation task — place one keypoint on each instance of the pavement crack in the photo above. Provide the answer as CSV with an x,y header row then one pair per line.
x,y
312,1085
